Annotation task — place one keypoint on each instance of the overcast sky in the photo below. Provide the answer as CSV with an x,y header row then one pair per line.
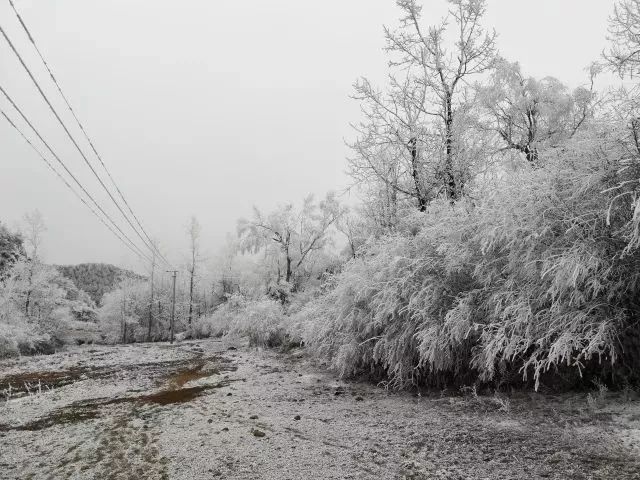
x,y
206,108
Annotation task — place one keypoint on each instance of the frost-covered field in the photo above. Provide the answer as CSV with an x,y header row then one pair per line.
x,y
199,410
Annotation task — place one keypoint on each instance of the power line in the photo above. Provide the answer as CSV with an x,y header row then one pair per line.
x,y
55,113
86,136
67,169
64,180
86,160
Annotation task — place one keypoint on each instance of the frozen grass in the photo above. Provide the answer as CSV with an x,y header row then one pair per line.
x,y
533,282
24,339
262,322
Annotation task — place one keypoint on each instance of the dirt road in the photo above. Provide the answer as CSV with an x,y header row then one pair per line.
x,y
199,410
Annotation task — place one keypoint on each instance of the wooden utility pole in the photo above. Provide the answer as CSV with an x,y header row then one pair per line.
x,y
173,305
153,268
122,319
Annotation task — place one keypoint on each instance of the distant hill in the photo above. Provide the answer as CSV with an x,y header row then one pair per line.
x,y
97,278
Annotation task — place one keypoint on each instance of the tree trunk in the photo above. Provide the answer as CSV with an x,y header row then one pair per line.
x,y
28,299
191,294
451,186
415,173
531,153
289,272
392,211
26,305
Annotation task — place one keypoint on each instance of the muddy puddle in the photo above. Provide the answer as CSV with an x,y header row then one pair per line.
x,y
199,370
179,372
173,391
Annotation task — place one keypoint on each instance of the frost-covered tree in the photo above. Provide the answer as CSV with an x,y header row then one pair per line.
x,y
122,309
528,113
195,257
411,137
532,274
11,247
34,229
390,149
22,334
289,237
124,314
351,226
624,34
39,288
37,273
624,57
225,270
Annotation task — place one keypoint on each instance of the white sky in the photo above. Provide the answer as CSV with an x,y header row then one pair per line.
x,y
208,107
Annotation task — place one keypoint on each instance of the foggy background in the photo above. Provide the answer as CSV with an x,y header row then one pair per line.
x,y
206,108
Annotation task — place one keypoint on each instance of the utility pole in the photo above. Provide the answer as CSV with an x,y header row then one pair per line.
x,y
123,322
173,305
153,267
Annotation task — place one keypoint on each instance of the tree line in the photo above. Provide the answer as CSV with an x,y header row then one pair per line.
x,y
496,238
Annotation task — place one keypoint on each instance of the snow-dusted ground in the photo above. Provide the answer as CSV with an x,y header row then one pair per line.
x,y
197,411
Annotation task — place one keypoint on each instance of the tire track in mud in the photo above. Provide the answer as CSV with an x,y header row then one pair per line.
x,y
127,446
172,383
117,438
123,446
